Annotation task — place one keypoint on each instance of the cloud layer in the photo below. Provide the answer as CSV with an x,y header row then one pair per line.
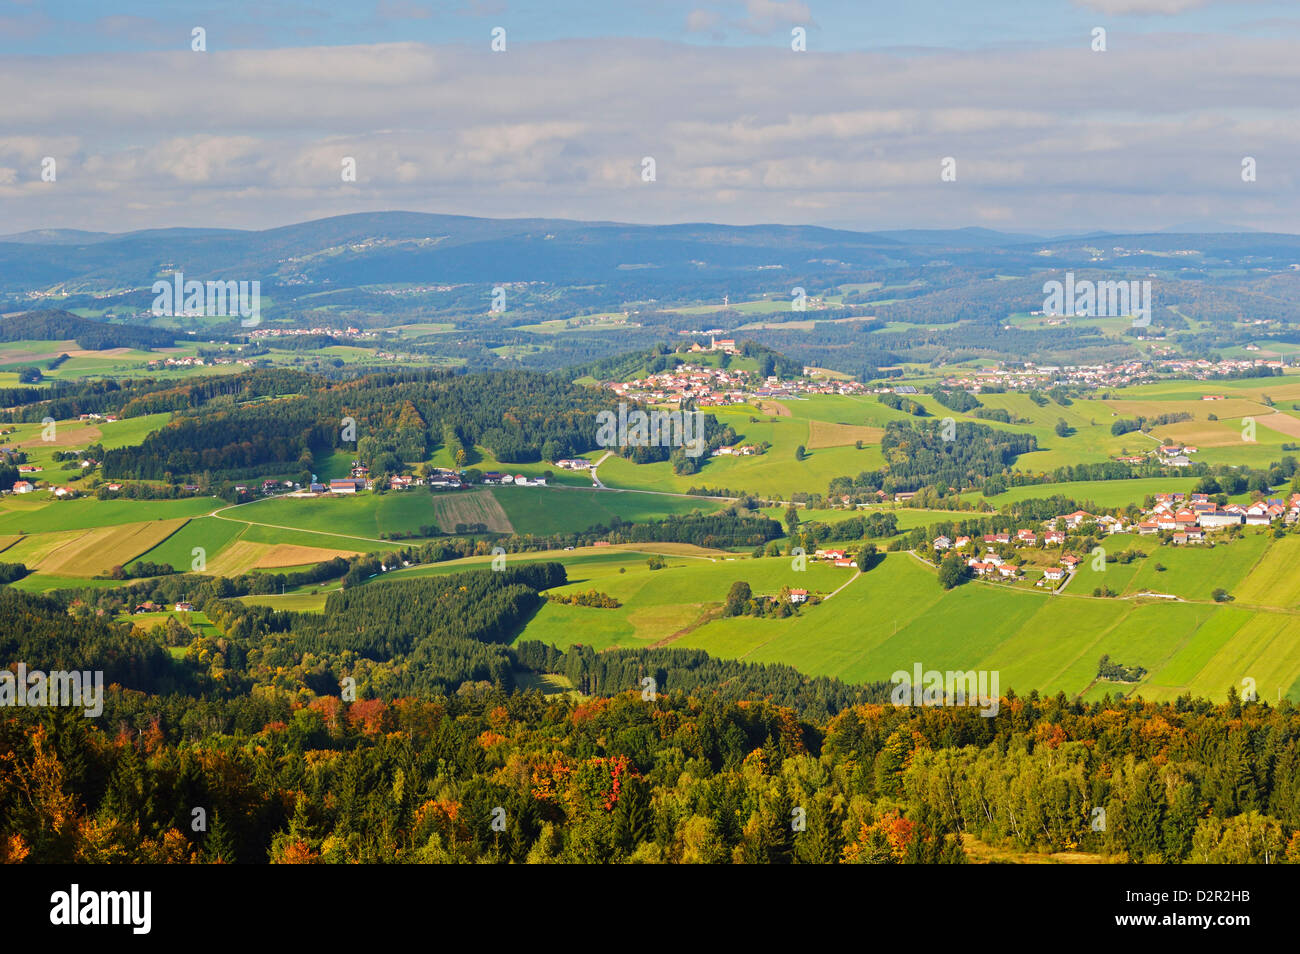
x,y
1151,133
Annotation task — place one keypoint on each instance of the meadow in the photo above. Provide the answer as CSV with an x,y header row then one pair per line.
x,y
896,615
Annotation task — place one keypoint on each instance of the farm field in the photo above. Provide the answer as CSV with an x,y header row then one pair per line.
x,y
90,552
887,619
828,426
896,615
297,602
1103,493
364,516
547,510
32,514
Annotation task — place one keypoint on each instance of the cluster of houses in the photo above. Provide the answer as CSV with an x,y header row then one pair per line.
x,y
714,387
291,332
27,487
706,386
1029,376
1188,516
149,606
991,564
1191,516
437,478
1173,455
518,480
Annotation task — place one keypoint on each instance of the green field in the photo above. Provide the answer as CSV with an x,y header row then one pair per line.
x,y
207,533
896,615
364,516
18,514
546,510
888,619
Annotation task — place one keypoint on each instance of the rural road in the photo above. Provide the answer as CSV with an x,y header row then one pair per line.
x,y
856,574
278,526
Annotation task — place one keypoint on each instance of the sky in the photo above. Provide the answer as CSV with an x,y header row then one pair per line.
x,y
1000,114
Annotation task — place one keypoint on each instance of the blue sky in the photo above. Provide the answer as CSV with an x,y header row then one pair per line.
x,y
85,26
1046,133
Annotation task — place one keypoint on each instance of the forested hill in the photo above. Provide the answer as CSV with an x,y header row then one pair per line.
x,y
386,418
928,455
58,325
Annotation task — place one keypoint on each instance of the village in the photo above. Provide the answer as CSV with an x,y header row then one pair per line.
x,y
435,478
1177,519
703,385
1030,376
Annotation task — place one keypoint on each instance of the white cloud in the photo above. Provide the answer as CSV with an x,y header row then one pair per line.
x,y
744,134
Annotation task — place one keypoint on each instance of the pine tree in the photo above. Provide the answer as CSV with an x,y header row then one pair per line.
x,y
219,846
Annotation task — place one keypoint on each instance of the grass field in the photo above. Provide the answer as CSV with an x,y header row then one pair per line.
x,y
897,615
828,427
547,510
887,619
92,552
364,516
40,516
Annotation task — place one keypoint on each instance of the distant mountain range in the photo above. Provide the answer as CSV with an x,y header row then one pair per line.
x,y
401,247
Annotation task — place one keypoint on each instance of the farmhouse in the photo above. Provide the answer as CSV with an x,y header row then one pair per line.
x,y
942,543
184,607
798,596
23,487
343,486
1053,573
